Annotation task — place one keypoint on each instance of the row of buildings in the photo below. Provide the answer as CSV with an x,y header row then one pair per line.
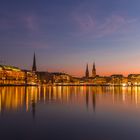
x,y
115,79
10,75
15,76
58,78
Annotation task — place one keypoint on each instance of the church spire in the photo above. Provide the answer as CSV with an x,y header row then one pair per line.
x,y
94,70
87,72
34,64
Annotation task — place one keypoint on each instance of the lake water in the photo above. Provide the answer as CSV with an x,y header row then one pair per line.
x,y
70,113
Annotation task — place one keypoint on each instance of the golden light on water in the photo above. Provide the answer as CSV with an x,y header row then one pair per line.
x,y
15,98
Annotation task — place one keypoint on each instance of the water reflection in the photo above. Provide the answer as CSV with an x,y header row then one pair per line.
x,y
27,98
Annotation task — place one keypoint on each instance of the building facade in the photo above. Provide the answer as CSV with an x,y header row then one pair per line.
x,y
15,76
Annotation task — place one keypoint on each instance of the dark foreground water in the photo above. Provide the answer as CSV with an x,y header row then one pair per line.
x,y
70,113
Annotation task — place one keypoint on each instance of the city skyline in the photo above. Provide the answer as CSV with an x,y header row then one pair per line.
x,y
69,69
88,70
66,35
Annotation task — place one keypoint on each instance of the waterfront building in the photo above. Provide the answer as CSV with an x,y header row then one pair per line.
x,y
117,79
30,77
11,75
76,80
44,77
134,79
125,81
59,77
101,80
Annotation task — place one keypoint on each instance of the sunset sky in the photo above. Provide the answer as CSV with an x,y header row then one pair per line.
x,y
68,34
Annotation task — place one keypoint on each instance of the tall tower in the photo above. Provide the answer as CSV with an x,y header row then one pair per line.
x,y
93,70
87,72
34,64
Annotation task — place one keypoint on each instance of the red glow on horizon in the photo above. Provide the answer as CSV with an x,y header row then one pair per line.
x,y
102,70
81,73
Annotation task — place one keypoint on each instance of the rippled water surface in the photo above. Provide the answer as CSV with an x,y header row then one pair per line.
x,y
70,113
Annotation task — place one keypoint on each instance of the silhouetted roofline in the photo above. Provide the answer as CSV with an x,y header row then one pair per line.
x,y
11,68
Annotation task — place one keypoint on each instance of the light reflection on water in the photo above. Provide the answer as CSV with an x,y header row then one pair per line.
x,y
57,109
14,98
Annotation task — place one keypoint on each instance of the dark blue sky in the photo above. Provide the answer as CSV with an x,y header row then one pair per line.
x,y
67,34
